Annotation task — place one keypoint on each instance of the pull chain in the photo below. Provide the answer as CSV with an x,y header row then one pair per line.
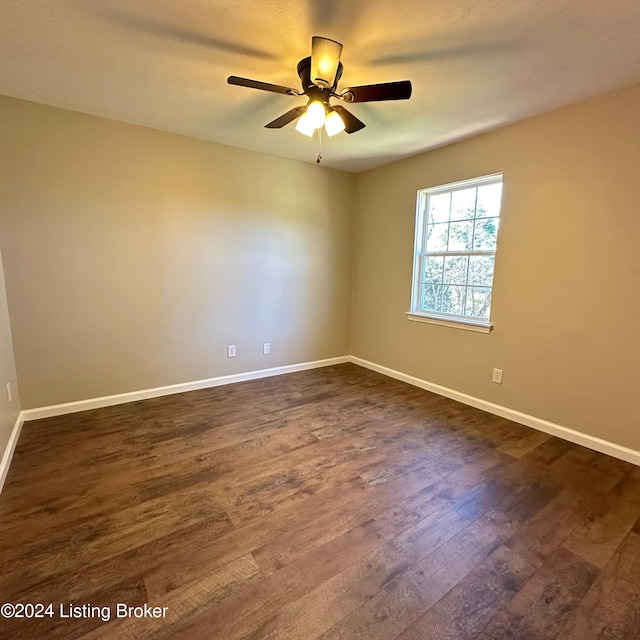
x,y
319,145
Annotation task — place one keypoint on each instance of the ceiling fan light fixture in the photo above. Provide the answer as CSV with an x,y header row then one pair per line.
x,y
304,126
333,123
325,57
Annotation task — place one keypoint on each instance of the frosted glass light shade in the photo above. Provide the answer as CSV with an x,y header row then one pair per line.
x,y
304,126
333,123
315,114
325,56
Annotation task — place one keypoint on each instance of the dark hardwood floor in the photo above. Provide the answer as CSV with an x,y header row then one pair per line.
x,y
333,504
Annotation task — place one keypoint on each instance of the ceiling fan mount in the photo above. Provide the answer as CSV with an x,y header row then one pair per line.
x,y
319,75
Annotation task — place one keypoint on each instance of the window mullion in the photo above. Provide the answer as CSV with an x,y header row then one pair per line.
x,y
473,242
487,252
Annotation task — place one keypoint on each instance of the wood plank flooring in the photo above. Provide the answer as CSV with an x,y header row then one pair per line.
x,y
332,504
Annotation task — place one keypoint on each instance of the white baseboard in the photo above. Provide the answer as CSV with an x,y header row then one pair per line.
x,y
591,442
133,396
10,448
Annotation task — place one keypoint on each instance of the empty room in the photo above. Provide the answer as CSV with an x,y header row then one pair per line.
x,y
318,320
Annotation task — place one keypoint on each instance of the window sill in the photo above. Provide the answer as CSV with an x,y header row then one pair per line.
x,y
444,321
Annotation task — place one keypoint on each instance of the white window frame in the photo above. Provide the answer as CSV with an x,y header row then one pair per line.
x,y
446,319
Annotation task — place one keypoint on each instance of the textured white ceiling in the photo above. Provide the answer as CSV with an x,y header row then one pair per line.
x,y
474,64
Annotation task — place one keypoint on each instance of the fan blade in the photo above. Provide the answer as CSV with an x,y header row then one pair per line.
x,y
264,86
351,123
325,57
373,92
285,118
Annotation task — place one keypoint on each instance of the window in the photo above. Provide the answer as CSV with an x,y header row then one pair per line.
x,y
455,247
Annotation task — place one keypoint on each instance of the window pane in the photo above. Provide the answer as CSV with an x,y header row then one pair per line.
x,y
453,299
479,302
481,270
486,233
460,236
489,198
463,204
455,270
439,207
431,296
437,235
433,269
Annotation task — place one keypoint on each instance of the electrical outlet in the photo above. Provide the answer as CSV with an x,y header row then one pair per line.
x,y
9,395
266,348
231,351
497,376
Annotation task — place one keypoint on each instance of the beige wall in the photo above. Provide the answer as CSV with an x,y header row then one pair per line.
x,y
133,257
567,282
8,410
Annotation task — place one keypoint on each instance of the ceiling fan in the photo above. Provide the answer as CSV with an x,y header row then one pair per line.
x,y
319,74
